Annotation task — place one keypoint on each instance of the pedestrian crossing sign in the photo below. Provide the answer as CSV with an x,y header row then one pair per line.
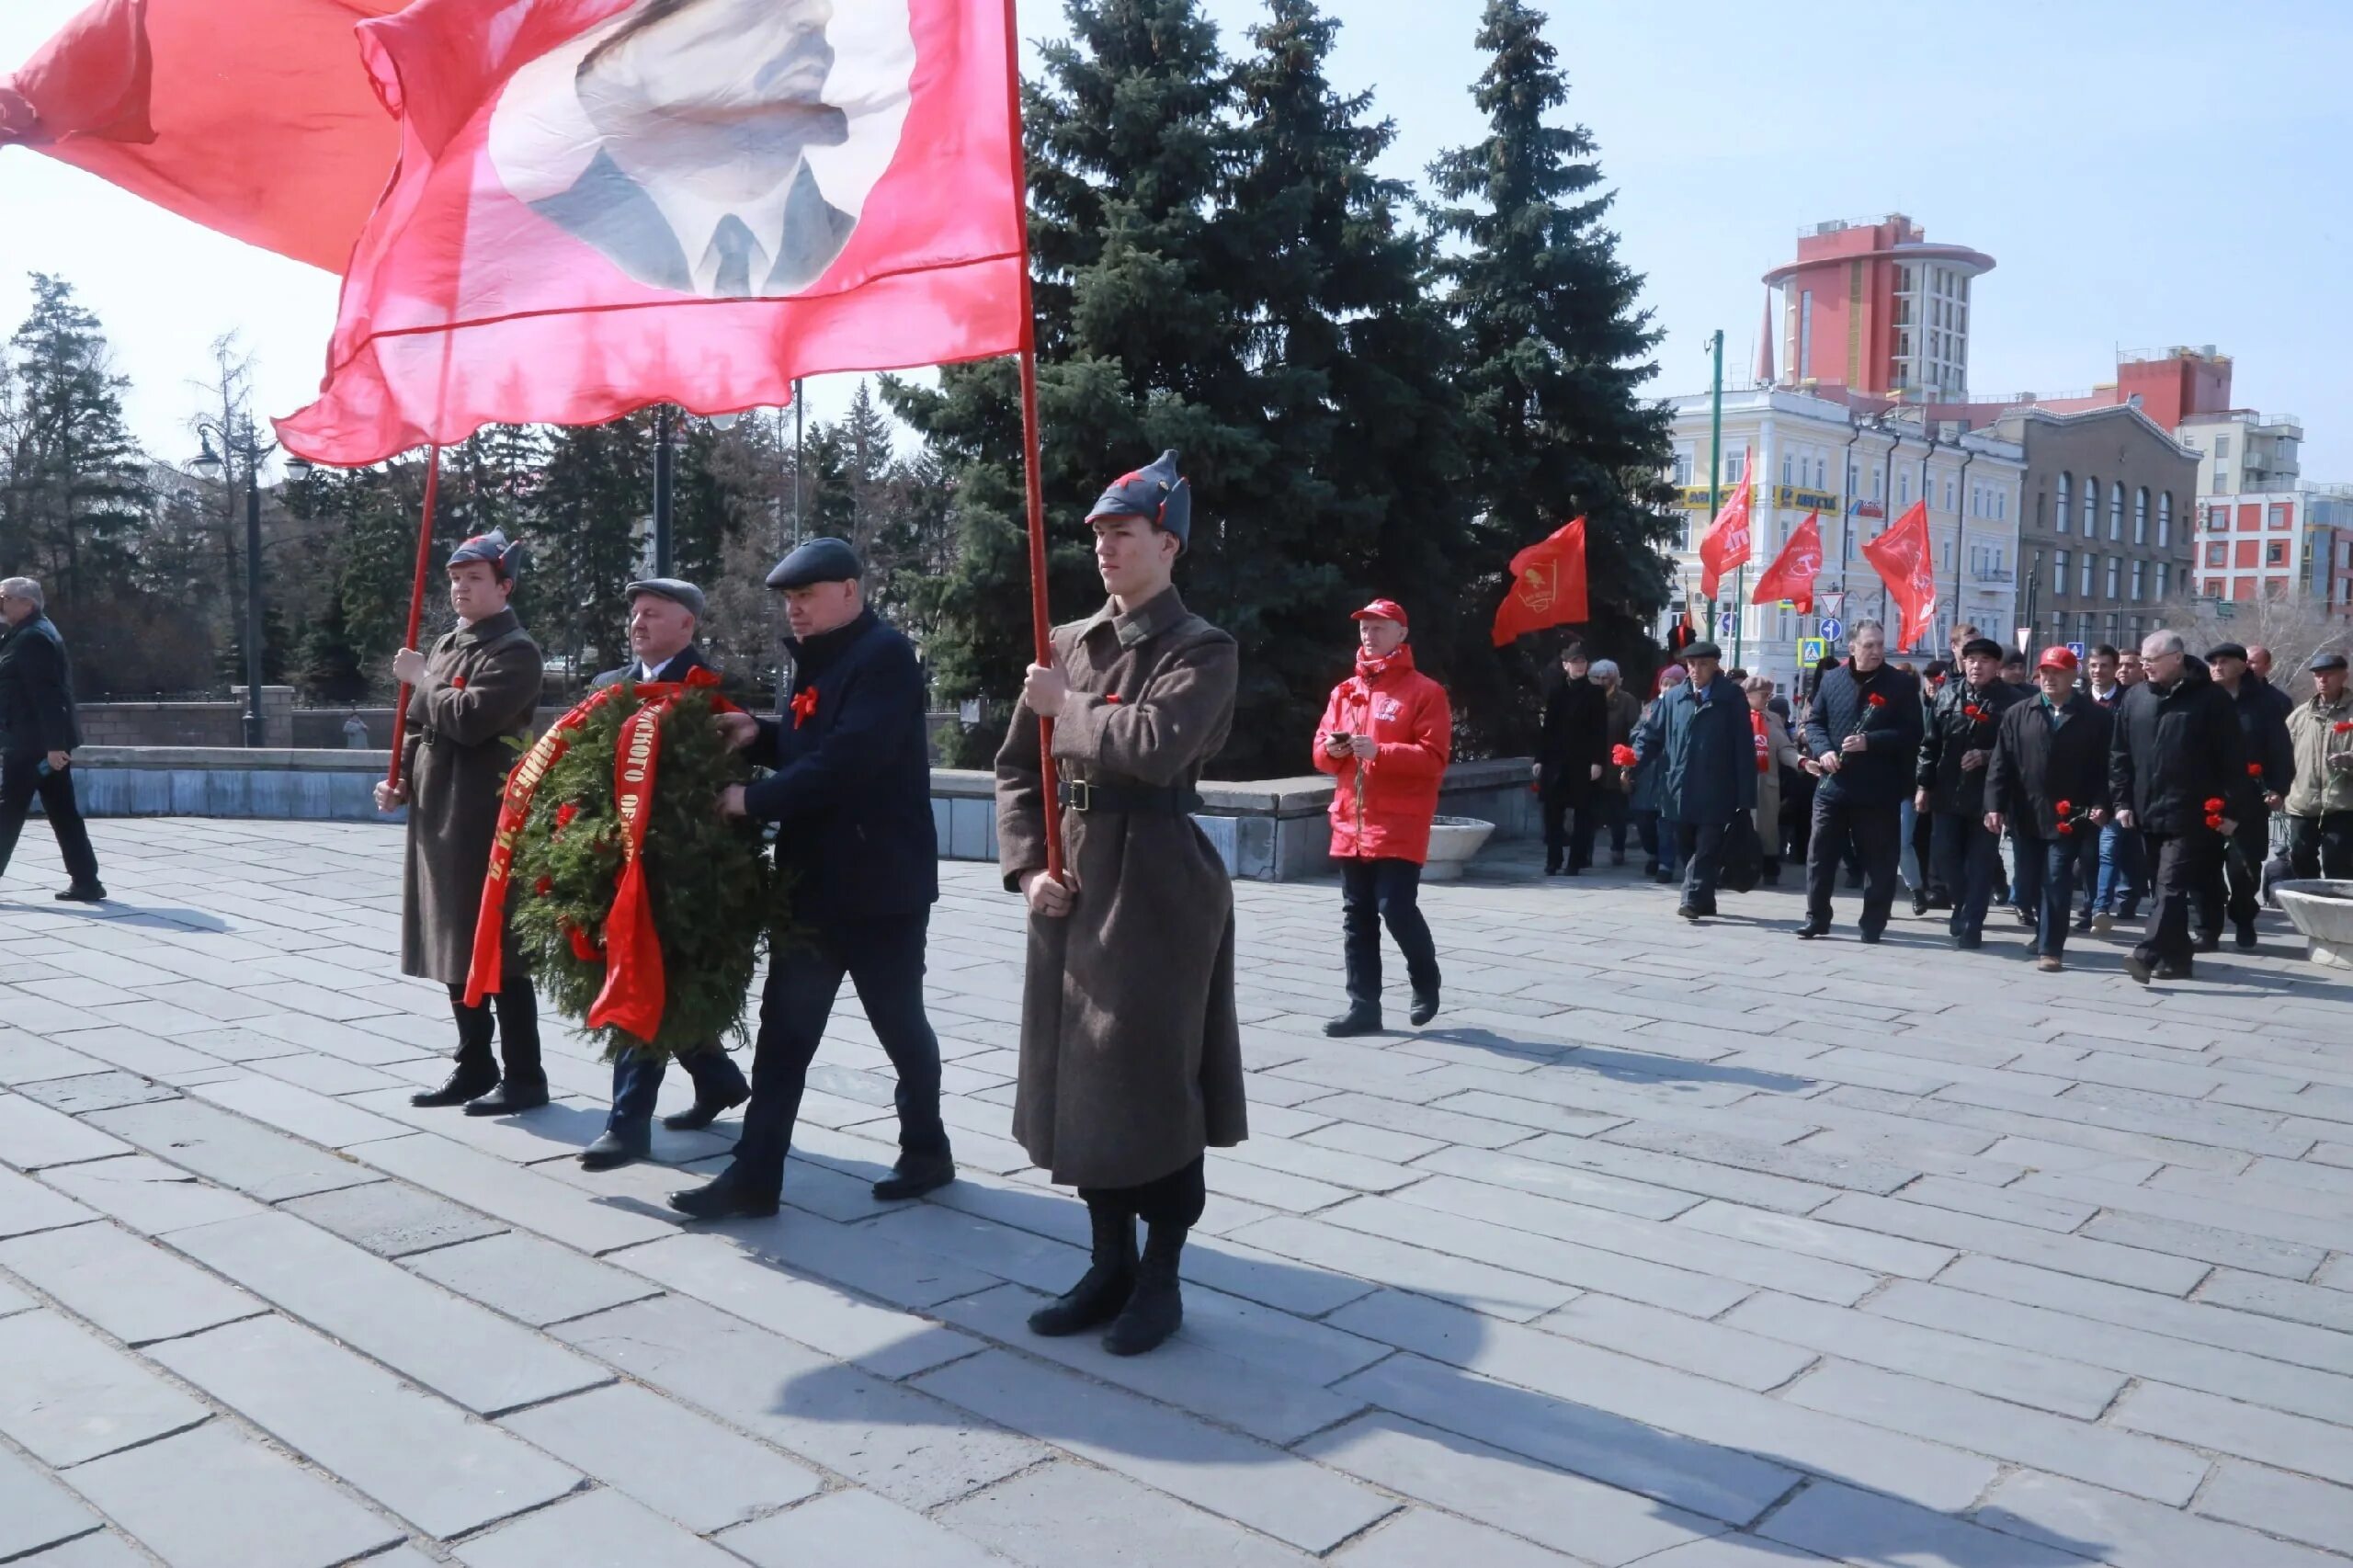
x,y
1812,651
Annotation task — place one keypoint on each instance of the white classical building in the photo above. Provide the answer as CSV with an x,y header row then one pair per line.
x,y
1860,473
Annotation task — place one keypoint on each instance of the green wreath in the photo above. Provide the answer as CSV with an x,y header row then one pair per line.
x,y
715,896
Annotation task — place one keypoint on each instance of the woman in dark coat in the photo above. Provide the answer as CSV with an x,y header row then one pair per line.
x,y
1571,758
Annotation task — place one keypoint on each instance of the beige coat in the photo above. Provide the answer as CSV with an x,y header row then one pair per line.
x,y
1785,753
481,687
1130,1051
2320,790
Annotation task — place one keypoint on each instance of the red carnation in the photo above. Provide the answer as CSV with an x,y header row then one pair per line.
x,y
2255,770
458,682
2067,829
544,886
1112,698
1877,700
564,813
1622,755
2214,806
582,947
2214,821
804,707
2343,727
1974,711
2065,807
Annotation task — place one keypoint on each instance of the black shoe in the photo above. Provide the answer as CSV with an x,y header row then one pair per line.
x,y
510,1098
84,893
1424,1007
1966,941
610,1152
2172,971
2210,941
1103,1291
1812,928
704,1112
727,1197
2138,968
1919,904
1690,912
467,1082
1771,878
1649,868
1870,934
1155,1307
2246,935
1667,878
913,1176
2027,917
1617,857
2084,926
1551,867
1363,1017
2128,911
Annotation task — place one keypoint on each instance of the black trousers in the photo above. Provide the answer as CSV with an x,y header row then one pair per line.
x,y
1570,818
2321,847
1175,1201
1924,855
637,1084
1701,845
2180,863
1609,811
2046,885
1968,860
517,1028
2232,886
21,779
1873,834
885,960
1374,893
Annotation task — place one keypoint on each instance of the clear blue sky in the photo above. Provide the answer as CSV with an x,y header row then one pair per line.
x,y
2144,173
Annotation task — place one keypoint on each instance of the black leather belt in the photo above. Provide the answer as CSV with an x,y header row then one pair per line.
x,y
1171,801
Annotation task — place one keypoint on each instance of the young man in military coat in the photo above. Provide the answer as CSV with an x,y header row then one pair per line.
x,y
474,694
1130,1051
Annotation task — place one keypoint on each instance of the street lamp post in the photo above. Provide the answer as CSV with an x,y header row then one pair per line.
x,y
207,463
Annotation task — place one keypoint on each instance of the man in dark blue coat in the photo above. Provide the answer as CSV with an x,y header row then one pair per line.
x,y
2177,766
1862,738
664,613
1962,725
850,794
38,734
1702,731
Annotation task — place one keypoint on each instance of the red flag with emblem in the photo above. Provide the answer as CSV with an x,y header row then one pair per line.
x,y
1907,563
1726,542
1793,571
1548,587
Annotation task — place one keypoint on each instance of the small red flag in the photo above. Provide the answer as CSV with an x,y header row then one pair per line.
x,y
1726,543
1793,571
1548,587
1905,562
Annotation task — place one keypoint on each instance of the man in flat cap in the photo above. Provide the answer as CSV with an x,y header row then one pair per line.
x,y
1130,1050
2234,887
38,734
1962,722
851,793
475,694
1704,738
2320,802
664,613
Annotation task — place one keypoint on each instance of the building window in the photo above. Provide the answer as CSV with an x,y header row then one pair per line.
x,y
2064,521
1735,464
2116,513
1682,469
2281,513
1904,488
2091,508
1788,465
2222,447
2217,554
2114,563
2140,579
1951,496
2165,518
2084,583
1820,473
2140,516
2275,552
1805,334
2058,574
2165,581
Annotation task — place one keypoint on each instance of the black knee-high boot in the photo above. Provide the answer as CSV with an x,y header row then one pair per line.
x,y
476,1071
1104,1289
1155,1307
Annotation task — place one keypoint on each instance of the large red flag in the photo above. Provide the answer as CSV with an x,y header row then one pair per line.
x,y
1726,543
1548,587
603,204
1905,562
1793,571
252,117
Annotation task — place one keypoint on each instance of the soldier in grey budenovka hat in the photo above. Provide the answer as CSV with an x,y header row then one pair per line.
x,y
475,694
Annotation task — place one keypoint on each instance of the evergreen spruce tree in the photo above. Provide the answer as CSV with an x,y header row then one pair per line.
x,y
75,503
370,518
596,497
1556,355
863,440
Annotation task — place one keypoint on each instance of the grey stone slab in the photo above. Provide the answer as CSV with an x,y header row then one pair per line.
x,y
320,1118
1710,1348
35,1511
2130,1532
231,1150
523,1199
27,1206
906,1445
417,1455
1066,1515
1988,1201
95,1091
149,1196
103,1549
13,1300
392,1219
2278,1503
596,1529
2319,1305
33,1136
128,1044
1848,1526
448,1345
214,1498
1566,1182
2324,1449
2064,1447
1599,1523
30,1059
1420,1537
683,1466
2143,1270
1867,1250
1372,1253
1247,1482
1435,1123
129,1287
1740,1552
2066,1388
1695,1176
854,1529
1793,1162
321,1074
2277,1222
530,1278
69,1396
1373,1142
2231,1249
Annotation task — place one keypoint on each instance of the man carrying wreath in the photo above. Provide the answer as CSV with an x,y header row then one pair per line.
x,y
2047,782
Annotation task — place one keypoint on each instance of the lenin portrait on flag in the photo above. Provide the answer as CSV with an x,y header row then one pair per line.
x,y
712,147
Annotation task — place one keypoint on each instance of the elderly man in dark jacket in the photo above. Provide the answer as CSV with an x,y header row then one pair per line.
x,y
38,734
1962,724
664,613
2235,886
2048,784
850,794
1863,737
1571,758
2177,770
1708,780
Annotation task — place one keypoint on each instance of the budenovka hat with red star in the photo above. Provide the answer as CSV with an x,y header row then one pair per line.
x,y
1155,494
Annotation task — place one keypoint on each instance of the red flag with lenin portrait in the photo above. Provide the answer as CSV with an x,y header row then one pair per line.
x,y
1726,543
604,204
1548,587
1905,562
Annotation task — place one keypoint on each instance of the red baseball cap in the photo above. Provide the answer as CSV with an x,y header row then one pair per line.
x,y
2057,656
1382,609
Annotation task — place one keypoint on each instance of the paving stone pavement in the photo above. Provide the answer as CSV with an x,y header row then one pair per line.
x,y
1696,1249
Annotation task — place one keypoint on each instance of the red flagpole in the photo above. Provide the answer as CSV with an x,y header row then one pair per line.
x,y
416,606
1032,460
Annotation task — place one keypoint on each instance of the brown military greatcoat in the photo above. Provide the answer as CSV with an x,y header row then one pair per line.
x,y
481,687
1130,1052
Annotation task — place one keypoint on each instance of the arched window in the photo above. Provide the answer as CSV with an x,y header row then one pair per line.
x,y
2115,510
2091,508
2140,516
2066,522
2165,523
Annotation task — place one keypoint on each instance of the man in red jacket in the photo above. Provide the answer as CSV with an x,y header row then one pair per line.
x,y
1385,736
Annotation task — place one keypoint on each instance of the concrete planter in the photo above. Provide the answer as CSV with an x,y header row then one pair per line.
x,y
2322,911
1453,841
